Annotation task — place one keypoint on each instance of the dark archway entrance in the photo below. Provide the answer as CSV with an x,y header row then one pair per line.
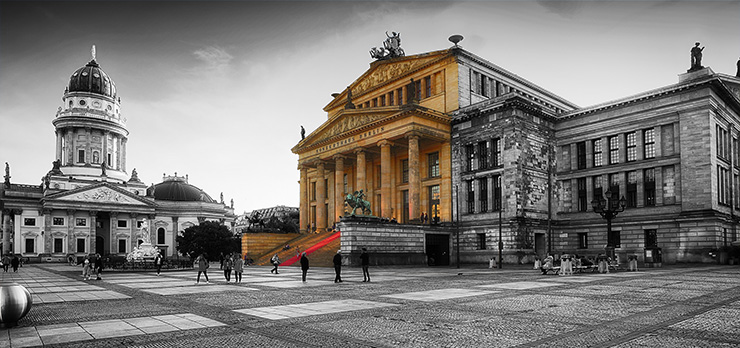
x,y
102,233
438,249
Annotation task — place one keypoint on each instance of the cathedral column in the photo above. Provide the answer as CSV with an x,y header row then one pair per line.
x,y
59,144
414,178
88,150
320,198
118,152
72,239
445,185
48,238
338,187
6,230
104,153
93,228
113,232
175,231
133,240
385,179
303,215
361,171
123,154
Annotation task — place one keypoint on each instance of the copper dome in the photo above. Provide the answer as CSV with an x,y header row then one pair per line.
x,y
176,190
91,78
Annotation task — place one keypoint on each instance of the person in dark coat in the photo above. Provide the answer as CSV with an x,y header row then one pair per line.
x,y
338,266
98,266
365,262
15,262
304,265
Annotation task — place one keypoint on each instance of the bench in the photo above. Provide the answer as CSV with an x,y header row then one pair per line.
x,y
554,270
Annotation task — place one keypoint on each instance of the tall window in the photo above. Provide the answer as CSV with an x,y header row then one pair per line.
x,y
614,184
581,154
434,203
583,240
631,147
80,245
110,160
122,245
30,244
614,149
313,191
497,192
405,171
391,100
344,184
496,156
58,245
722,185
160,235
405,214
648,138
382,100
582,194
631,189
80,156
427,87
399,96
483,155
484,86
651,238
481,241
721,142
433,163
598,159
483,194
470,156
471,197
598,185
649,178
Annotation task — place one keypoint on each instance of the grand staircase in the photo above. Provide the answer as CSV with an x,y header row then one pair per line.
x,y
320,248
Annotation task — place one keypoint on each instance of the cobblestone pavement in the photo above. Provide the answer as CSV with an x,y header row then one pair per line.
x,y
676,306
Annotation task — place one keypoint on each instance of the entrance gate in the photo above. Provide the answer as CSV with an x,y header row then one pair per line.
x,y
438,249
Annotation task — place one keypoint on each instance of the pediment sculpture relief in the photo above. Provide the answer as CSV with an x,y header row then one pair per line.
x,y
386,73
349,123
102,194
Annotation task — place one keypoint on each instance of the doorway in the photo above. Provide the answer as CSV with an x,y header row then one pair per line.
x,y
438,249
102,233
539,244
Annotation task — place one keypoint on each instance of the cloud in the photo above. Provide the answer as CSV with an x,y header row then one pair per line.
x,y
215,58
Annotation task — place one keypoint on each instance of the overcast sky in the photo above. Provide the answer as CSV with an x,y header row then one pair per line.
x,y
219,90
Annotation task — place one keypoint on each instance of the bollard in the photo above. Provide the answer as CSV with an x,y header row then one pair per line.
x,y
15,303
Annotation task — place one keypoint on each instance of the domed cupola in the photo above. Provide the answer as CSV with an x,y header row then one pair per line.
x,y
91,78
176,188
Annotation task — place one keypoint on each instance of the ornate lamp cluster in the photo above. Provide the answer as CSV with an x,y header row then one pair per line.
x,y
609,208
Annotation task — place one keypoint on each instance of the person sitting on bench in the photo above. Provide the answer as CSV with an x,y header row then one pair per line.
x,y
547,264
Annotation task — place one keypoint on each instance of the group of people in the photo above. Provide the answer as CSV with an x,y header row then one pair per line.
x,y
232,262
8,261
568,262
90,267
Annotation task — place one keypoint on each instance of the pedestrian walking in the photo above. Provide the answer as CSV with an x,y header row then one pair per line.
x,y
228,265
304,265
86,268
275,262
98,266
338,267
158,263
15,262
221,261
365,263
238,268
6,262
202,263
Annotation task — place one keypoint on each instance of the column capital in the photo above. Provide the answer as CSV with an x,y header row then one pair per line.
x,y
134,215
339,156
93,212
45,211
114,214
359,150
384,143
412,135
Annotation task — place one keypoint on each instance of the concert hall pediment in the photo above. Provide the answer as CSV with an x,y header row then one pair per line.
x,y
101,194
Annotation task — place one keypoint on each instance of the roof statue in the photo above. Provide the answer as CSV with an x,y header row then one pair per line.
x,y
391,48
7,175
696,55
92,52
349,104
737,74
303,133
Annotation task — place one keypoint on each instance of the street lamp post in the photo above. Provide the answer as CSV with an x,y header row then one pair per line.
x,y
500,225
608,209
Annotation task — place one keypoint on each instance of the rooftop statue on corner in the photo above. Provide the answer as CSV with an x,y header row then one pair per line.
x,y
696,55
391,48
356,201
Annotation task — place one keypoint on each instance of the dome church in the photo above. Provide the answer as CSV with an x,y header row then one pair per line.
x,y
89,202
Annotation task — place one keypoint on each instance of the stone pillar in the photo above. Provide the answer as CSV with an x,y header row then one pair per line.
x,y
93,229
88,151
104,153
338,187
123,154
175,232
445,185
385,178
320,198
48,238
361,171
59,144
6,231
113,232
133,241
304,204
71,238
118,152
414,178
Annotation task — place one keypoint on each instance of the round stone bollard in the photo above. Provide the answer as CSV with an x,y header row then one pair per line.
x,y
15,303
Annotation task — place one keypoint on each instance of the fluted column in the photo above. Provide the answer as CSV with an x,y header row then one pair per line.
x,y
385,179
93,227
133,241
104,153
6,231
59,135
71,238
123,154
338,187
303,224
361,171
414,178
88,151
320,198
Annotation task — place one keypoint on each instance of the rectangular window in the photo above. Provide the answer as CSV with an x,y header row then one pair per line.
x,y
470,157
427,87
722,185
598,159
651,238
617,238
497,193
581,154
484,86
344,184
367,104
122,223
391,99
326,188
471,197
110,160
483,155
631,189
405,171
30,244
582,194
399,96
29,221
475,82
405,213
481,241
434,196
648,138
433,163
598,185
375,102
122,246
382,100
631,147
649,184
80,245
483,194
58,221
614,184
80,156
496,156
80,222
313,191
58,245
614,149
583,240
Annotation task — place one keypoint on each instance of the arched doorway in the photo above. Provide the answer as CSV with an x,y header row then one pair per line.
x,y
100,245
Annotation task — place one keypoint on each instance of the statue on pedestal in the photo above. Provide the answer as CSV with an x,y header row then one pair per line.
x,y
357,201
696,55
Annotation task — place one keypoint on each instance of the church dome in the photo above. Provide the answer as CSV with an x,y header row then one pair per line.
x,y
91,78
178,190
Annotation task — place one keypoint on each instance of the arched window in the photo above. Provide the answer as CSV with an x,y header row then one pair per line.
x,y
160,235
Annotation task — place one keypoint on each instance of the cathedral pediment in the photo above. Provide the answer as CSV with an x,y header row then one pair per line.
x,y
382,72
344,125
99,193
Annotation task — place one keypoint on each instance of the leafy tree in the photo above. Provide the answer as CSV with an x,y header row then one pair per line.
x,y
287,223
210,238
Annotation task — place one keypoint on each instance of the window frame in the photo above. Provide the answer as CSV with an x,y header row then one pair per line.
x,y
433,164
648,143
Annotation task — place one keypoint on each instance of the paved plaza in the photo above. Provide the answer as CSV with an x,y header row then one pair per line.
x,y
676,306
